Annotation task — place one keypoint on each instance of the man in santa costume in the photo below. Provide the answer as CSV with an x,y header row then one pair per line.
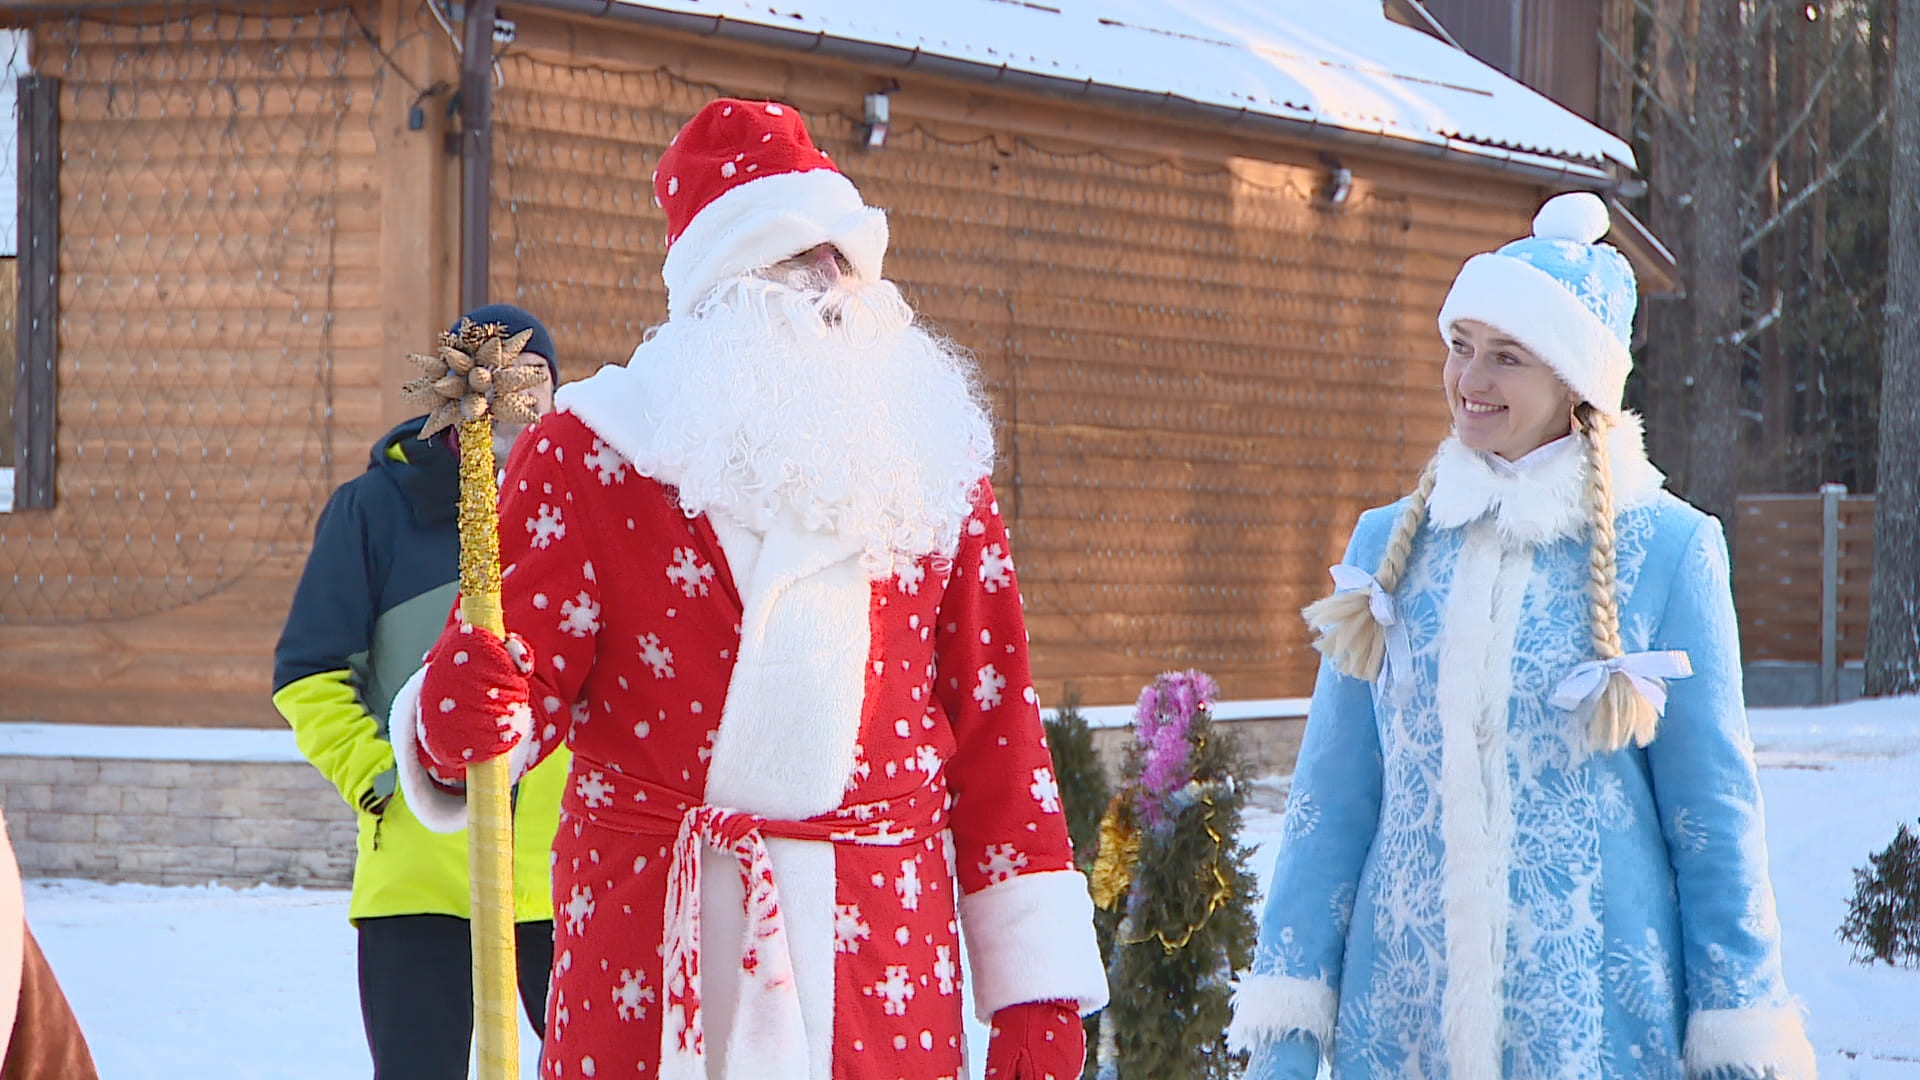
x,y
758,582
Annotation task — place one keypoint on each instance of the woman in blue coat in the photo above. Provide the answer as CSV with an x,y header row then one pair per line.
x,y
1525,837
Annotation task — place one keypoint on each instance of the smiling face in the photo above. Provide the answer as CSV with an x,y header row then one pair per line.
x,y
1504,399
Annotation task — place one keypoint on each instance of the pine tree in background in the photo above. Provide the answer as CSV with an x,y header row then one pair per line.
x,y
1084,793
1883,918
1084,790
1171,861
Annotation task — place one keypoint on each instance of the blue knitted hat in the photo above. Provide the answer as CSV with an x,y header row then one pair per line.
x,y
1561,293
516,319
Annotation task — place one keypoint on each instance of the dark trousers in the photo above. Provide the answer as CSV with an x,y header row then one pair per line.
x,y
416,992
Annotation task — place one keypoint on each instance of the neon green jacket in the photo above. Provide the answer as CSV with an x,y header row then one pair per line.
x,y
374,595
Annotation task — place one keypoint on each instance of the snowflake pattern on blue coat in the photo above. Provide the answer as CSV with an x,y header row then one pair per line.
x,y
1638,891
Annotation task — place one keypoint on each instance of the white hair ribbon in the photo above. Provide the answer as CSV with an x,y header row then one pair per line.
x,y
1649,672
1380,602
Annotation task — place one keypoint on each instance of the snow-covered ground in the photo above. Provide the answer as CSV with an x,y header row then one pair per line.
x,y
259,983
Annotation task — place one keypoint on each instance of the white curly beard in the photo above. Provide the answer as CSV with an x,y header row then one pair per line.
x,y
831,402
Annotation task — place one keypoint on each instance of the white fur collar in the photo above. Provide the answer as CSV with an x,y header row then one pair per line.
x,y
1541,497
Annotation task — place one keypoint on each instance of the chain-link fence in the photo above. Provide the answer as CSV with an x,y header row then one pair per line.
x,y
1195,370
218,244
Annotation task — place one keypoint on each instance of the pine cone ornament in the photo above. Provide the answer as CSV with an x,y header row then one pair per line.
x,y
473,374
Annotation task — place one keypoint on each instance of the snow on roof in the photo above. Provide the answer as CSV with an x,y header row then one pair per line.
x,y
1339,63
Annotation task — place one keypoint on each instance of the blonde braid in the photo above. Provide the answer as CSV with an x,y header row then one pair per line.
x,y
1621,713
1345,630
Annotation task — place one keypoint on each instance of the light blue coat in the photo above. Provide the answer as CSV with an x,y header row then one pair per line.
x,y
1463,889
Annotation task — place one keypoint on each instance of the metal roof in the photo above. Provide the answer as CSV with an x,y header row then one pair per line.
x,y
1336,64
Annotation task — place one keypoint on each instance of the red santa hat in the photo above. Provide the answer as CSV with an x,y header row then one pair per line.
x,y
744,187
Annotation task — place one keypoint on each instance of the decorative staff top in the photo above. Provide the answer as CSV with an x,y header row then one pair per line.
x,y
473,375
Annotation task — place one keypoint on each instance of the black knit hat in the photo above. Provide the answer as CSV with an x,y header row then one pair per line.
x,y
516,319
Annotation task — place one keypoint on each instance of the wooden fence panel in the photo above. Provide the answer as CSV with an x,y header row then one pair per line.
x,y
1777,576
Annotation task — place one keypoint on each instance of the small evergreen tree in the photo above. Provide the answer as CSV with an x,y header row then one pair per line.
x,y
1084,793
1883,918
1188,920
1084,790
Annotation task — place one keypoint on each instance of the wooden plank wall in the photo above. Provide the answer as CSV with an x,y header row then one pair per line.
x,y
1202,376
1777,572
223,335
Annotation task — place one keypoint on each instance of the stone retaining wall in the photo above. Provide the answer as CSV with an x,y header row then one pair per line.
x,y
278,823
177,822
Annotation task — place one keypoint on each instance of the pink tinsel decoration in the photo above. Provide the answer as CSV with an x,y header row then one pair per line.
x,y
1161,722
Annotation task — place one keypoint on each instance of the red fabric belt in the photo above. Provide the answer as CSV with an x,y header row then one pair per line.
x,y
769,999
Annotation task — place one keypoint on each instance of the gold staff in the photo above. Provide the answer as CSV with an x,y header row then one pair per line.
x,y
470,380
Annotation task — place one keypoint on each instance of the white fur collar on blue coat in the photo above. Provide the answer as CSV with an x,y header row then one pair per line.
x,y
1543,497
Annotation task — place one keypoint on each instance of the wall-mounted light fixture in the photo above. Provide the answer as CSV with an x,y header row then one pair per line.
x,y
873,129
1339,181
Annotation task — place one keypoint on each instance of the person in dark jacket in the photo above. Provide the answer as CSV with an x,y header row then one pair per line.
x,y
375,593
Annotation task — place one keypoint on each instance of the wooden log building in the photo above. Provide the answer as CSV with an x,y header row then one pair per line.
x,y
1198,257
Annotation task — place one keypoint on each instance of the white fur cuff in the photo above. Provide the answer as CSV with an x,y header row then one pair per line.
x,y
1749,1042
1267,1008
1030,938
439,810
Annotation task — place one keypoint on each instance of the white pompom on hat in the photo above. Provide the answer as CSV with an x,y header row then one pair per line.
x,y
1560,293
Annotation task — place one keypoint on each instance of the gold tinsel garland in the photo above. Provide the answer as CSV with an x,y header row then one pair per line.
x,y
1119,857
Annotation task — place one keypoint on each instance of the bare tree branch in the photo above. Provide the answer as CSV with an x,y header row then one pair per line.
x,y
1681,121
1806,112
1759,326
1833,172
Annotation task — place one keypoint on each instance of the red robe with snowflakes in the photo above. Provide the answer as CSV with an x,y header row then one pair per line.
x,y
884,759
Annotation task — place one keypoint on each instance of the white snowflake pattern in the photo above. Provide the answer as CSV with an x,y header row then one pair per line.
x,y
926,760
908,885
858,775
910,576
996,568
987,690
632,996
896,989
1046,791
1302,816
1688,834
1004,862
688,572
579,909
1761,917
1605,303
946,973
546,526
594,790
849,929
607,462
580,616
656,656
1638,976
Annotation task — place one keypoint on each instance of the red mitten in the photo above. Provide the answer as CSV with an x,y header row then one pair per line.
x,y
1040,1040
475,703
